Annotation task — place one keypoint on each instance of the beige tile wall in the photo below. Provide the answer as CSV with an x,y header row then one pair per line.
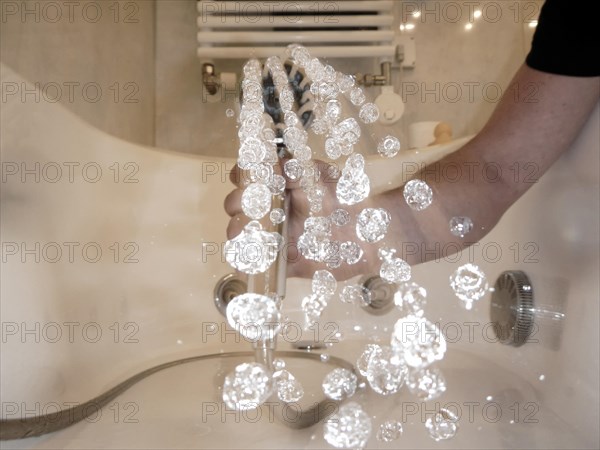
x,y
94,57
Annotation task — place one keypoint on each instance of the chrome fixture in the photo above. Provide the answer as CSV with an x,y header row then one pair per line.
x,y
511,309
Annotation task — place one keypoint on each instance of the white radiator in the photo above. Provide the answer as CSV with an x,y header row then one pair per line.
x,y
244,29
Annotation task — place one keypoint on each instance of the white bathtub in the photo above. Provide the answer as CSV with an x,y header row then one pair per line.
x,y
75,325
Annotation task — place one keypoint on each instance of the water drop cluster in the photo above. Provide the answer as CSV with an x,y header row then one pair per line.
x,y
415,343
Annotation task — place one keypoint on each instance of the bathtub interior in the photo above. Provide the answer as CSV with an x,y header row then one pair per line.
x,y
162,304
174,318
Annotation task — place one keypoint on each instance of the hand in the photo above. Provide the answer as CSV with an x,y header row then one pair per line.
x,y
299,211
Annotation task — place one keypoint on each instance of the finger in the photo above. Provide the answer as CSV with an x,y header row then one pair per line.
x,y
233,202
238,177
236,225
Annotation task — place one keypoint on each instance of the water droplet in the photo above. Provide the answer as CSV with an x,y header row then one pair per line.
x,y
230,113
339,384
395,270
460,226
276,184
313,307
253,250
350,252
333,148
386,371
340,217
410,298
418,194
357,96
469,284
421,342
247,387
356,294
389,146
426,384
277,216
252,152
389,431
324,357
443,425
278,364
350,427
323,283
372,224
288,388
385,253
333,110
293,169
353,188
369,113
255,316
300,55
256,200
291,119
345,82
362,363
295,139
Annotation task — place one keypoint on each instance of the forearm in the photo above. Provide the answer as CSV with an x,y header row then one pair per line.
x,y
522,139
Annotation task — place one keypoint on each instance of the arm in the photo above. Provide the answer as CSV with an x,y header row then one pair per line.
x,y
518,132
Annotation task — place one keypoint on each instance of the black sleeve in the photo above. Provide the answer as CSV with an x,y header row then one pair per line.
x,y
565,41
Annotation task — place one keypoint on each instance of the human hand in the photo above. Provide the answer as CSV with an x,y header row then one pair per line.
x,y
298,212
